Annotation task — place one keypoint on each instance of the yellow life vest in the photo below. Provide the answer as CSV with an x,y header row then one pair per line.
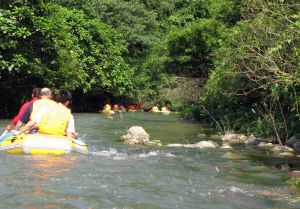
x,y
164,109
55,120
155,109
107,107
37,105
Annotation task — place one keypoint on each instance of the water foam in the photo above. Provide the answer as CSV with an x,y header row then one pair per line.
x,y
111,152
155,153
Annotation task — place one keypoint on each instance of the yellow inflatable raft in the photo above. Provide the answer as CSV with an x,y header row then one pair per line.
x,y
36,144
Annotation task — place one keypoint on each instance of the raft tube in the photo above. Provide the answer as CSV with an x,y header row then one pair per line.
x,y
39,144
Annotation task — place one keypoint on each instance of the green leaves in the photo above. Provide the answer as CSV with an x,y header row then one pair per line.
x,y
257,66
62,47
191,48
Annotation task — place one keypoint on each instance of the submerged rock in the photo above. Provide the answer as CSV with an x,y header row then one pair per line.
x,y
226,146
269,145
135,135
285,166
285,154
232,155
215,137
233,137
279,148
252,140
292,141
202,144
230,137
201,136
175,145
297,146
262,144
155,143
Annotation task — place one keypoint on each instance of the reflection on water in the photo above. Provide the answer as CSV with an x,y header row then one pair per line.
x,y
114,175
49,166
43,169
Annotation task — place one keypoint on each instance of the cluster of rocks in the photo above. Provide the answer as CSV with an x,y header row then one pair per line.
x,y
290,149
294,143
137,135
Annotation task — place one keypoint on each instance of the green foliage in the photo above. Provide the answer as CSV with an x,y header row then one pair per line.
x,y
190,111
227,11
140,31
190,48
256,71
130,18
47,44
62,47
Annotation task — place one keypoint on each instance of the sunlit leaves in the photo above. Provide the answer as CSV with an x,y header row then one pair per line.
x,y
63,47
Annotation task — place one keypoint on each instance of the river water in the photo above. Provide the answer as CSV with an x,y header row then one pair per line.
x,y
114,175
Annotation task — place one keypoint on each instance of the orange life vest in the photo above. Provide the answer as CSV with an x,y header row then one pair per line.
x,y
55,120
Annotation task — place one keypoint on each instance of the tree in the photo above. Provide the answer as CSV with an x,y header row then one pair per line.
x,y
47,44
190,49
130,18
257,71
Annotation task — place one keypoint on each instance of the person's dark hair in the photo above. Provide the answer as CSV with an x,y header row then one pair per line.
x,y
63,96
36,92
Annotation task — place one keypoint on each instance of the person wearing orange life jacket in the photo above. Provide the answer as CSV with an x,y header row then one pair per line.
x,y
54,119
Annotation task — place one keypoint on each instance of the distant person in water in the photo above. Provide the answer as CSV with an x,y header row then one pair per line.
x,y
165,109
154,109
121,107
115,107
107,107
16,122
54,118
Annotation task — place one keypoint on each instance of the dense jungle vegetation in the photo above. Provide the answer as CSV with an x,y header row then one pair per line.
x,y
234,63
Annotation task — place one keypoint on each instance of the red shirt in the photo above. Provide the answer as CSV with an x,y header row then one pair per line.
x,y
22,110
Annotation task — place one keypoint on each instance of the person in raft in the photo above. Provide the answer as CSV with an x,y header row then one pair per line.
x,y
53,118
34,108
16,121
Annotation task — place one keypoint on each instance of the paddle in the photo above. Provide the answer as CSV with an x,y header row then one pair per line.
x,y
3,134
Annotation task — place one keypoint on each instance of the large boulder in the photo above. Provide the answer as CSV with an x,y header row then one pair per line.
x,y
292,141
297,146
232,137
135,135
252,140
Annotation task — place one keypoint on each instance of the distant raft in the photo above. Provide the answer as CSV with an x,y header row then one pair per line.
x,y
40,144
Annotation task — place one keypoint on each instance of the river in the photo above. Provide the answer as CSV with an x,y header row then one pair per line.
x,y
114,175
